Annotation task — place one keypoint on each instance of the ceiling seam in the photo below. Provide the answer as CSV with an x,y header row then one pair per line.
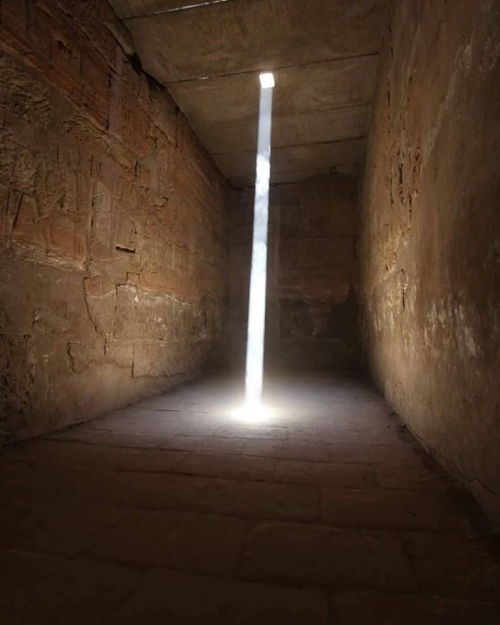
x,y
331,169
294,145
274,69
187,7
200,122
279,184
304,169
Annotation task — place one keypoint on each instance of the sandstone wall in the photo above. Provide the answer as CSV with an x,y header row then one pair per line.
x,y
430,243
113,225
312,319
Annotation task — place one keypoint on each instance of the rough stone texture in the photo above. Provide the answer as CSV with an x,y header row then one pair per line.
x,y
312,318
359,608
179,541
112,223
65,591
121,528
326,556
430,239
221,602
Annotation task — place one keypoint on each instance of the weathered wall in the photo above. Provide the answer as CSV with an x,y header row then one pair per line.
x,y
430,243
312,319
113,229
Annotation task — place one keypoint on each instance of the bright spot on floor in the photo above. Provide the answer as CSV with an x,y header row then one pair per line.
x,y
254,414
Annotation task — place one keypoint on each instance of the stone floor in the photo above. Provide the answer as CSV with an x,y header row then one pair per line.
x,y
177,510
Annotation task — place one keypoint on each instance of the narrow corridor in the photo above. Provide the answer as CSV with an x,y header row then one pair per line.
x,y
175,510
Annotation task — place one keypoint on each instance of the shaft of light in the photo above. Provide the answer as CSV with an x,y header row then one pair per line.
x,y
258,276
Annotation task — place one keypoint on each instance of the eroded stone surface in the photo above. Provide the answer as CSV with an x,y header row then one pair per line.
x,y
358,608
212,601
256,499
228,466
391,509
430,277
332,557
453,565
181,541
65,591
112,224
322,474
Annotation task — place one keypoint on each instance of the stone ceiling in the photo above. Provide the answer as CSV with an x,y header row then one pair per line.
x,y
324,54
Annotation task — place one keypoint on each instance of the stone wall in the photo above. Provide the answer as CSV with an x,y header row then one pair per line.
x,y
312,319
430,243
113,224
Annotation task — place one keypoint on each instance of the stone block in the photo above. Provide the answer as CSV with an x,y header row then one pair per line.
x,y
392,509
30,227
155,491
142,315
54,452
17,384
186,443
94,83
119,352
321,320
399,455
228,466
324,253
160,107
453,565
103,223
14,24
179,541
67,591
129,459
131,125
100,298
359,607
84,355
66,238
404,476
58,527
252,431
126,234
97,25
261,500
91,435
292,450
312,554
167,358
221,602
6,219
23,94
322,474
223,445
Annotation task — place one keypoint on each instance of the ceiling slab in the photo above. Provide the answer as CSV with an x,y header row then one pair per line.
x,y
324,55
317,87
295,158
253,35
299,129
292,177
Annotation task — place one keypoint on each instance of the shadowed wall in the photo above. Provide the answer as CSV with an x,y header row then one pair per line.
x,y
430,244
312,318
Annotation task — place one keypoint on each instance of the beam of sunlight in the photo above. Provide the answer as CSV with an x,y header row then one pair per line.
x,y
258,276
